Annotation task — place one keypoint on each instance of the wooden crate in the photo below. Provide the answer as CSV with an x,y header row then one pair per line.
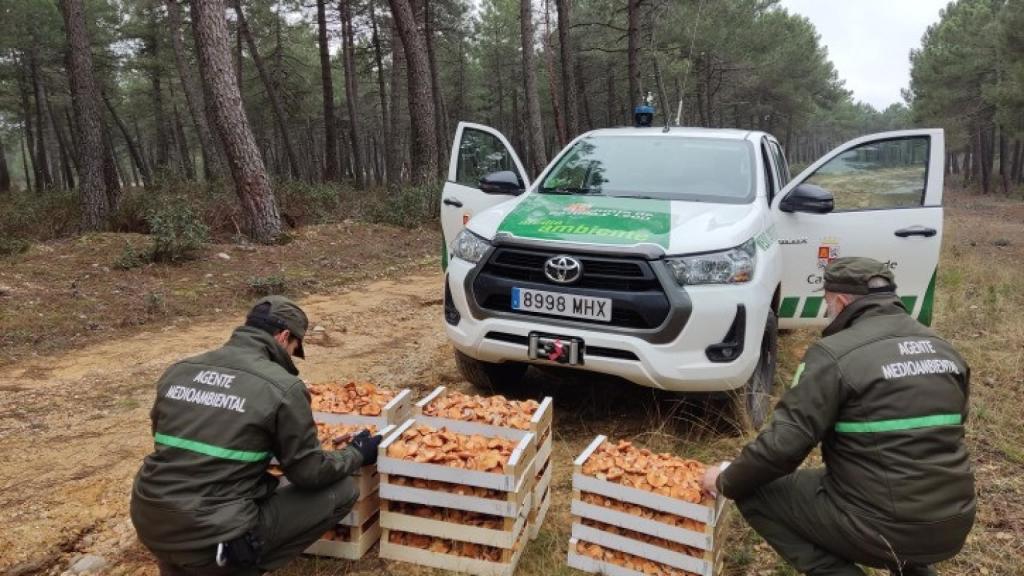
x,y
593,566
394,412
540,427
392,551
359,540
711,515
514,487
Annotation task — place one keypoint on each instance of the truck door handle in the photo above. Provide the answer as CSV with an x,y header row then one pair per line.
x,y
457,204
916,231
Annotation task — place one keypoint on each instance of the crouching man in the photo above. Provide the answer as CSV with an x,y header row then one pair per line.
x,y
203,502
887,399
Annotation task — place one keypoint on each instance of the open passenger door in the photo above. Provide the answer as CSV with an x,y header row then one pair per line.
x,y
878,196
478,152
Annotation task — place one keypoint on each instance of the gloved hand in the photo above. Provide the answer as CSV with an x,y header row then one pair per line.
x,y
367,446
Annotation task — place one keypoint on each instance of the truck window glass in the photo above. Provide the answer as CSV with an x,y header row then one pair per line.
x,y
661,167
874,175
481,153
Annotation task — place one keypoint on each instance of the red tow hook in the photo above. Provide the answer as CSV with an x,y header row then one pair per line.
x,y
556,351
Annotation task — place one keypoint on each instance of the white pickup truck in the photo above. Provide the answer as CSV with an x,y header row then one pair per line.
x,y
671,257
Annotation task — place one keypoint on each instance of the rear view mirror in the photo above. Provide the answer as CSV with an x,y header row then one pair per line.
x,y
808,198
503,182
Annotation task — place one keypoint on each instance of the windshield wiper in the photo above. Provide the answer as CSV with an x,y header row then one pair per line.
x,y
637,196
567,190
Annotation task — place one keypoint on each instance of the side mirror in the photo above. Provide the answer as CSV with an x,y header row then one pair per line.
x,y
504,182
808,198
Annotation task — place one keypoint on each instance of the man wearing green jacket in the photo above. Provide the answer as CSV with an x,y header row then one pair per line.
x,y
887,400
203,501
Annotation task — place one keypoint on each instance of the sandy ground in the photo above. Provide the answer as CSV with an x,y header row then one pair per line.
x,y
74,428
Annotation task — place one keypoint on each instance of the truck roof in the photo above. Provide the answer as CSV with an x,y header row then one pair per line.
x,y
679,131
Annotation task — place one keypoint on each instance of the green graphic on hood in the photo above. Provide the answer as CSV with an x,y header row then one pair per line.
x,y
589,220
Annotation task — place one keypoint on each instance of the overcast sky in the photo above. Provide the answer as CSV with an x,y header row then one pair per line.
x,y
869,41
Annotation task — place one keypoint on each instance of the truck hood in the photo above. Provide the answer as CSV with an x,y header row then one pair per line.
x,y
649,226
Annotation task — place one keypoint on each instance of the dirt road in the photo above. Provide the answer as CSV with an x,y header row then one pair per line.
x,y
74,428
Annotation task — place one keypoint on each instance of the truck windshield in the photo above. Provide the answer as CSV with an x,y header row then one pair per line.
x,y
661,167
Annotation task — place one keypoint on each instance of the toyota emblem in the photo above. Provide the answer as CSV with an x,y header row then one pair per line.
x,y
563,269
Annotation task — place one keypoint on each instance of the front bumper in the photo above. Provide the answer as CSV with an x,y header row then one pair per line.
x,y
672,357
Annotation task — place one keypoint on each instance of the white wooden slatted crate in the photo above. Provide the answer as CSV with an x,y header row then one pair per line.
x,y
622,531
540,427
509,498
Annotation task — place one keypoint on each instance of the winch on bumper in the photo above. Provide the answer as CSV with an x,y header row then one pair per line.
x,y
697,339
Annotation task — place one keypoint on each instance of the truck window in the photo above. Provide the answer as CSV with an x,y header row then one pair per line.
x,y
877,175
481,153
782,167
770,182
662,167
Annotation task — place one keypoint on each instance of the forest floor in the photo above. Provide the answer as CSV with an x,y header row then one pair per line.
x,y
83,344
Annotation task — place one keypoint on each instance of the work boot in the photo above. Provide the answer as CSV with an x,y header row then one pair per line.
x,y
914,570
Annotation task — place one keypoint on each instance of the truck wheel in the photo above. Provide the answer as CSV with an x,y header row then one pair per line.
x,y
488,376
752,404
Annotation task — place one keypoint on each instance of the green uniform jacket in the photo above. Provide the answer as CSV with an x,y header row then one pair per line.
x,y
217,420
887,399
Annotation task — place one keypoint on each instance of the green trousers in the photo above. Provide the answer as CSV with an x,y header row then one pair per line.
x,y
289,521
800,521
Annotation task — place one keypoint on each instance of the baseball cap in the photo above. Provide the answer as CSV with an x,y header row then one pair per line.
x,y
283,314
851,275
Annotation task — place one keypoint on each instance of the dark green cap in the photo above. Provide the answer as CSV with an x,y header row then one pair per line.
x,y
851,276
278,312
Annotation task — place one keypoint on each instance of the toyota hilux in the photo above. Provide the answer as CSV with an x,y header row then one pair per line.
x,y
671,257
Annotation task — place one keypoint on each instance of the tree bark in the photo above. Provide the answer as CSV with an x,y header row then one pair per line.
x,y
355,131
133,149
395,154
252,185
553,87
633,50
183,150
569,97
66,162
84,97
5,173
421,101
275,101
213,161
536,155
440,114
44,179
25,155
1018,157
330,173
385,121
1004,165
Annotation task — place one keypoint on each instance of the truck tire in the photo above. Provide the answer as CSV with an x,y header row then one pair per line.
x,y
487,376
752,404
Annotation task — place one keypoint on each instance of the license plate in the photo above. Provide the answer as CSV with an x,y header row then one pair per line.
x,y
560,304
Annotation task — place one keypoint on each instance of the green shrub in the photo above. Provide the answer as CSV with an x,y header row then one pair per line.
x,y
303,203
408,207
266,285
12,246
177,233
131,258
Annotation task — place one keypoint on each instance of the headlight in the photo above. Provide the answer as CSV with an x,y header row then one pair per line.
x,y
734,266
469,247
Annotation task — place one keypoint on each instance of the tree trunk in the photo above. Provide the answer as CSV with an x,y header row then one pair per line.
x,y
213,161
183,149
385,122
5,173
355,131
440,115
44,179
133,149
421,101
537,157
85,99
111,171
275,101
632,50
25,155
553,87
394,144
981,160
330,173
1004,165
66,160
211,36
569,98
1018,156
